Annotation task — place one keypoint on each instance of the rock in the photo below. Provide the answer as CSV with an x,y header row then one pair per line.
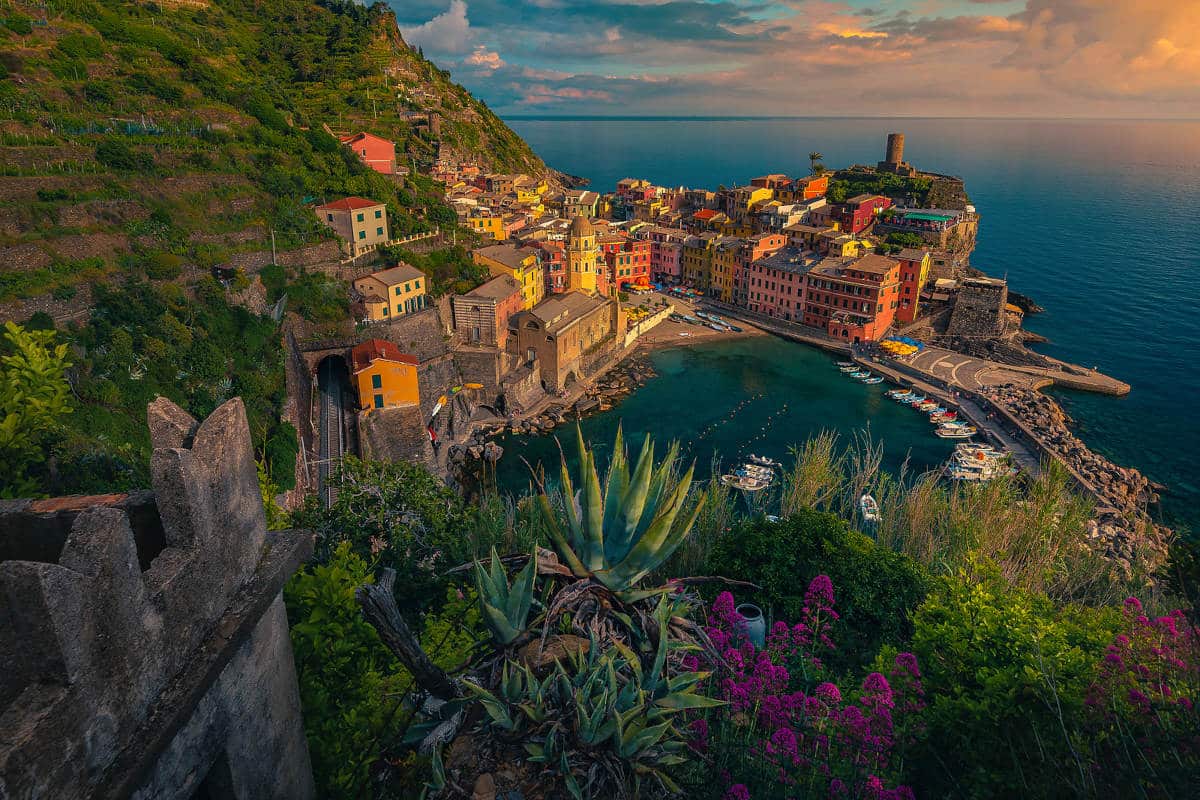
x,y
485,787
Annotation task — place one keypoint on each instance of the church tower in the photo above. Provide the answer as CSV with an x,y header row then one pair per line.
x,y
581,256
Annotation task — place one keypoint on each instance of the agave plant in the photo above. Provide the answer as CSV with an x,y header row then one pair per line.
x,y
505,607
620,533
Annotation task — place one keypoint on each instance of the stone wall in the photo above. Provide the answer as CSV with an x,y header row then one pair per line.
x,y
395,434
522,387
144,650
978,308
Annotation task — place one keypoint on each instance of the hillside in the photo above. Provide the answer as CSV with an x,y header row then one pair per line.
x,y
143,145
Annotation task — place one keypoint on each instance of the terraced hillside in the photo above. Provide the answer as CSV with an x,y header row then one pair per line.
x,y
145,144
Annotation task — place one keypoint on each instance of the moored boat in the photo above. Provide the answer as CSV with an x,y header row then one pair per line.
x,y
851,368
844,363
860,374
956,432
873,380
928,405
744,482
915,400
762,461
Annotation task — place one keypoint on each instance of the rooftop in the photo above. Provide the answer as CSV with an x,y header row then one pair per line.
x,y
789,259
500,287
562,310
912,254
363,355
397,274
350,204
874,264
507,255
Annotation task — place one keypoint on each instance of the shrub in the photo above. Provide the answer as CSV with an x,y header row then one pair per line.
x,y
117,154
281,450
880,589
163,266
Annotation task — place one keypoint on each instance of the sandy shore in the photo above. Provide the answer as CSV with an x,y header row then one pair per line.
x,y
669,333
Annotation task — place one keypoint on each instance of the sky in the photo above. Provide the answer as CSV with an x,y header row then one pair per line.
x,y
1033,58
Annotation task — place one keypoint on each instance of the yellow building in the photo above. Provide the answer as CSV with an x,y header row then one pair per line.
x,y
488,225
842,245
582,256
724,263
385,377
695,259
392,293
522,264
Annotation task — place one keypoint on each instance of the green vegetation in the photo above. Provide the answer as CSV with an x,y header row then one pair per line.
x,y
451,270
35,401
848,183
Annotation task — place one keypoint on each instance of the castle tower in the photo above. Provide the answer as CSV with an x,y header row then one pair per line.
x,y
582,256
895,148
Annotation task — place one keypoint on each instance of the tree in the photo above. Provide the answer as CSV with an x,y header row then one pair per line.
x,y
34,398
814,161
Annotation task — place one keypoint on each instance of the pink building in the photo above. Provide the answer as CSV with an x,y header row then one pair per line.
x,y
666,249
774,284
377,153
627,260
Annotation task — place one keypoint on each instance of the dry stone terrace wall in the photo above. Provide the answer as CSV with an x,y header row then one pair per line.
x,y
144,649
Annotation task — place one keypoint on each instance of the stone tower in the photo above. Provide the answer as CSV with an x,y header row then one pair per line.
x,y
895,148
582,256
144,648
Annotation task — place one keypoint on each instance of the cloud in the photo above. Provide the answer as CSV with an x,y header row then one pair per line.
x,y
484,59
541,94
447,33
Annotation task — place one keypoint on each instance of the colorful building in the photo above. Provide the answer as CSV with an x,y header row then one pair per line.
x,y
385,377
485,223
752,249
560,332
666,249
774,283
376,152
522,264
582,258
724,264
858,213
805,188
627,260
481,315
360,222
914,272
854,299
391,293
696,259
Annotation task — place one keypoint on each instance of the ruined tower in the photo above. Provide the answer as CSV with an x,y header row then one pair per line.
x,y
893,161
144,648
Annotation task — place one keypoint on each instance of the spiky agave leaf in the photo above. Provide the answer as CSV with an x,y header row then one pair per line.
x,y
505,608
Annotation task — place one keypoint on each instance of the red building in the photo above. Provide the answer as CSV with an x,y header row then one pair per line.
x,y
858,213
853,299
774,284
627,261
554,264
914,269
377,153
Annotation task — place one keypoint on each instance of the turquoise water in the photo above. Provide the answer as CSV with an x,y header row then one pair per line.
x,y
732,398
1099,221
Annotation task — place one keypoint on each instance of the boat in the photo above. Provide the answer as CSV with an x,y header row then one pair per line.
x,y
860,374
976,447
867,377
849,369
744,482
915,400
869,508
715,326
928,405
943,416
766,473
733,328
844,363
874,379
896,394
965,432
763,461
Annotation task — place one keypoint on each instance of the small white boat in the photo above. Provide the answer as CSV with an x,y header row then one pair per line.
x,y
744,482
928,405
944,416
851,368
860,374
915,400
873,380
965,432
938,410
762,461
844,363
865,377
896,394
977,447
868,508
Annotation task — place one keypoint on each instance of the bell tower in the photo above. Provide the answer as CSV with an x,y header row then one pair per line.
x,y
581,256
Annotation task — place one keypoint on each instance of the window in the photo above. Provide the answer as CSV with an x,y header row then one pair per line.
x,y
379,401
329,217
376,381
406,287
417,284
379,231
399,308
397,290
362,234
359,217
379,213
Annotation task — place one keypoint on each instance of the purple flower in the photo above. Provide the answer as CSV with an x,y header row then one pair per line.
x,y
908,663
820,592
837,788
829,693
737,792
1133,605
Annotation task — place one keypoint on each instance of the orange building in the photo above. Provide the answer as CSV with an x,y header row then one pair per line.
x,y
385,377
852,299
377,153
914,271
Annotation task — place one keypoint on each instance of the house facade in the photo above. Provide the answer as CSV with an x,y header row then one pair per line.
x,y
360,222
384,376
392,293
522,264
376,152
481,315
854,299
914,272
560,332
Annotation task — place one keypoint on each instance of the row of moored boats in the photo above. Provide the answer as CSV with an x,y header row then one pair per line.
x,y
754,475
949,426
850,369
707,320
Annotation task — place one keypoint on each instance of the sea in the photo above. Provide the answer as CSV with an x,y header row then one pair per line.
x,y
1098,221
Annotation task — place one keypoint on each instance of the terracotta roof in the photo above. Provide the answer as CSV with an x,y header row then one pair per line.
x,y
873,263
350,204
581,226
373,350
397,274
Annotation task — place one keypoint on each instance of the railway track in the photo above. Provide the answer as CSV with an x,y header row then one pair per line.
x,y
332,428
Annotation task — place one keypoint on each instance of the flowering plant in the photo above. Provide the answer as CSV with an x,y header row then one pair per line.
x,y
785,725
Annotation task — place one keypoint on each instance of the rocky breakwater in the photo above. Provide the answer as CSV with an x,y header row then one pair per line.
x,y
1122,529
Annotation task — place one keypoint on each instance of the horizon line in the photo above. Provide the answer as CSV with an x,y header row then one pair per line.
x,y
728,117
